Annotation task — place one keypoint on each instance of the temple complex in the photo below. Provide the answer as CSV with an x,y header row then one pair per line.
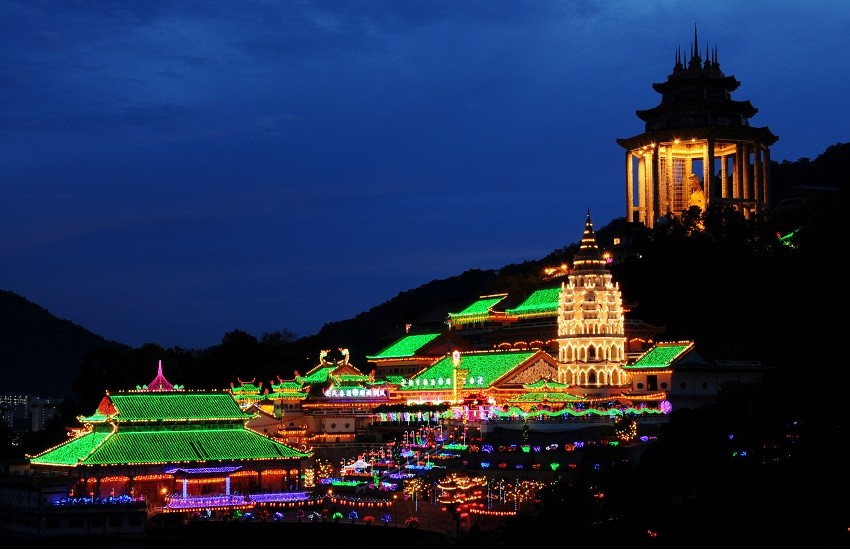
x,y
698,147
566,358
167,446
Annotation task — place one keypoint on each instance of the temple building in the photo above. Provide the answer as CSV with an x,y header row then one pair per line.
x,y
591,334
167,446
698,147
564,353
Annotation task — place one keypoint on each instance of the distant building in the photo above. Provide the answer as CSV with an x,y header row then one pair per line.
x,y
42,409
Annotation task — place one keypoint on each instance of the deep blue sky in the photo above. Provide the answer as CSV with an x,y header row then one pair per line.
x,y
171,171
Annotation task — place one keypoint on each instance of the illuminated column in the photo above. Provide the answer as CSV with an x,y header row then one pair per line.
x,y
724,185
185,487
642,194
656,188
738,191
668,175
708,186
227,485
758,183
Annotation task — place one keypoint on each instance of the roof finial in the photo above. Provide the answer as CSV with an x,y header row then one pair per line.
x,y
159,369
696,42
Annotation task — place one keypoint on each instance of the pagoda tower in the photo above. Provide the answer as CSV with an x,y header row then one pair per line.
x,y
591,335
698,147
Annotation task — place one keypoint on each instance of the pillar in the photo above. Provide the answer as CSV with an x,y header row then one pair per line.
x,y
708,184
737,191
668,176
227,485
656,186
185,487
642,198
758,183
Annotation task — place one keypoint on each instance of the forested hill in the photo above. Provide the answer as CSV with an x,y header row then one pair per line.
x,y
731,289
40,353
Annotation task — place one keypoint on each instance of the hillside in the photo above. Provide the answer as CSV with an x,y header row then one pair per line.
x,y
734,302
41,354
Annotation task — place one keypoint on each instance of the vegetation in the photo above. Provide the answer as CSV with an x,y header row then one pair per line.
x,y
719,279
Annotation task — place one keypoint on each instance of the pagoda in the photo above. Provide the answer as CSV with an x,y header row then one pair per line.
x,y
698,147
591,334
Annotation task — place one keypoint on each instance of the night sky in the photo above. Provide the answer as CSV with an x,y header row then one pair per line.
x,y
172,171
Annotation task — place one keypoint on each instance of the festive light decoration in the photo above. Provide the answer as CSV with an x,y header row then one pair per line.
x,y
108,501
405,347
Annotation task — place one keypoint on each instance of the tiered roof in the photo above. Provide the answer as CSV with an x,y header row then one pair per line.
x,y
160,427
482,370
247,391
287,389
589,256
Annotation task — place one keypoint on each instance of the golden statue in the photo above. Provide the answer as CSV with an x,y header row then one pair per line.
x,y
697,197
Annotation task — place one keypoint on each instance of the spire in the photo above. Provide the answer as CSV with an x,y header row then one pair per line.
x,y
589,257
160,383
696,41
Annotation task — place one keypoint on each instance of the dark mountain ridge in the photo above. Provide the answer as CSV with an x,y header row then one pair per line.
x,y
41,354
713,289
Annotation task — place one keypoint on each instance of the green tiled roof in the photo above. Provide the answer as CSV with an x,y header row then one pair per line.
x,y
545,384
660,356
144,406
316,376
406,346
287,395
479,309
287,385
350,378
483,369
246,388
543,301
395,378
163,446
287,389
551,397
